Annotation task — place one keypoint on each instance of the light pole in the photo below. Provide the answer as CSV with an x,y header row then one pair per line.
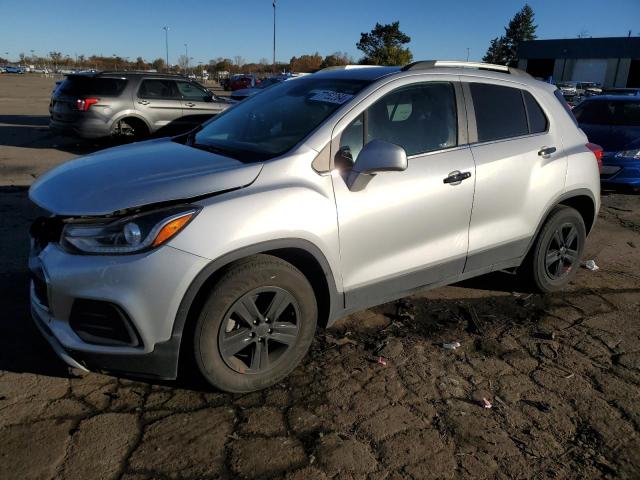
x,y
186,54
166,44
274,36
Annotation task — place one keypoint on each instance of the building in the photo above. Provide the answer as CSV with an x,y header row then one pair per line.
x,y
612,62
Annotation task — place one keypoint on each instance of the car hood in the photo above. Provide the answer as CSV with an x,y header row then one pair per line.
x,y
136,175
612,138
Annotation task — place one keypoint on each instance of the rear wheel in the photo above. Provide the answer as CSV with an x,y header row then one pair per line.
x,y
256,326
555,257
130,129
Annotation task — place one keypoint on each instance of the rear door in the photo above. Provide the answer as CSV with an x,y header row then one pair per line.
x,y
198,105
159,101
520,170
63,108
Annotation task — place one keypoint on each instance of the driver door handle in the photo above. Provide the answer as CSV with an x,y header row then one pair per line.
x,y
456,177
143,102
190,104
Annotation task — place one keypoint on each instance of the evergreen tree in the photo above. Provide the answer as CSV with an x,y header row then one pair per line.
x,y
504,50
384,46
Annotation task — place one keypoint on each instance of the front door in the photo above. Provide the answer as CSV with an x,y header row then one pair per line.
x,y
405,229
198,104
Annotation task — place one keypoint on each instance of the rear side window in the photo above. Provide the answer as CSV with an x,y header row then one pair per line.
x,y
500,112
83,86
537,119
155,88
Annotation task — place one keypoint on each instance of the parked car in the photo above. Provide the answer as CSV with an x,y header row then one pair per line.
x,y
131,105
248,92
319,197
614,123
242,81
12,69
582,89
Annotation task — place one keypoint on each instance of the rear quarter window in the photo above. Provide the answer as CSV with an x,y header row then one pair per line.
x,y
83,86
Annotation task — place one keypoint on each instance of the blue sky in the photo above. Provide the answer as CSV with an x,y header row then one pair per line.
x,y
226,28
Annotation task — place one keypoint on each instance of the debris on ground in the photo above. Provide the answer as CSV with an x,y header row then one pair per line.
x,y
340,341
486,403
451,345
392,348
382,361
591,265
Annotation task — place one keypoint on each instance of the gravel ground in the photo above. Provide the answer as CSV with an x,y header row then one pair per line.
x,y
562,373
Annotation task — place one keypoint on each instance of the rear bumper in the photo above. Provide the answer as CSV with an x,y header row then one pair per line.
x,y
80,129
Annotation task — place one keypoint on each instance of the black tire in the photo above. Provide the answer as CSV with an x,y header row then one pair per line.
x,y
555,257
269,284
130,129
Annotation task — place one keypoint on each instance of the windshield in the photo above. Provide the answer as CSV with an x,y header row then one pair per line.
x,y
267,125
602,112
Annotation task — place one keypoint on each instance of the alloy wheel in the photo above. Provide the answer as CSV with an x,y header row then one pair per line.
x,y
259,330
562,252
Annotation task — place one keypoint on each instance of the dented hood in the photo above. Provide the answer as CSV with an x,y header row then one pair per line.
x,y
135,175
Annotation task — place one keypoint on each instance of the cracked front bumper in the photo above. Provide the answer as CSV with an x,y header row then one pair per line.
x,y
149,287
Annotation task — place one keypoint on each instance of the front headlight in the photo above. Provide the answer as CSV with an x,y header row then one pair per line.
x,y
629,154
131,234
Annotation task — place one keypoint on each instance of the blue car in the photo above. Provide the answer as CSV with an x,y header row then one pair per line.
x,y
613,122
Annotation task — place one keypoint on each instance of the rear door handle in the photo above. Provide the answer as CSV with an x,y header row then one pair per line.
x,y
143,102
456,177
190,104
545,152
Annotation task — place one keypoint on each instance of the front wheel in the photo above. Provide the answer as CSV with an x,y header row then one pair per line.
x,y
256,325
555,257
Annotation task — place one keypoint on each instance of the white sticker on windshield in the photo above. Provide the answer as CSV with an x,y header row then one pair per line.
x,y
329,96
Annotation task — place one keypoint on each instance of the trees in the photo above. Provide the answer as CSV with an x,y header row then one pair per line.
x,y
305,63
159,64
336,59
384,45
504,49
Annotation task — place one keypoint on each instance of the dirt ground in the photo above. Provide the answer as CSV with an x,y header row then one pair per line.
x,y
562,373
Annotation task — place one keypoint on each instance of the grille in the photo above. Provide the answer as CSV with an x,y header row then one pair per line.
x,y
102,323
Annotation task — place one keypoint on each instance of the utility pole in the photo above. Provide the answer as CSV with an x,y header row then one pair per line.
x,y
467,54
166,44
274,36
186,54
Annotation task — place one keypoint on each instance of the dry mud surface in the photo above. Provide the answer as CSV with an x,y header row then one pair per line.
x,y
562,373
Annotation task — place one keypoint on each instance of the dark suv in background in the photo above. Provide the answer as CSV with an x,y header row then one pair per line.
x,y
130,104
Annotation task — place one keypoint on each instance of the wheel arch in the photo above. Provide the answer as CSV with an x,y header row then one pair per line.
x,y
581,200
304,255
130,114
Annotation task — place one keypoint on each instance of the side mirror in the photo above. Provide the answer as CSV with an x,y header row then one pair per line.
x,y
375,157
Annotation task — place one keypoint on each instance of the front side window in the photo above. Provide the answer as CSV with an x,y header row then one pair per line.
x,y
419,118
500,112
267,125
160,89
189,91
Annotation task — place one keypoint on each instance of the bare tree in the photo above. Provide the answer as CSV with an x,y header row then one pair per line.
x,y
183,61
239,61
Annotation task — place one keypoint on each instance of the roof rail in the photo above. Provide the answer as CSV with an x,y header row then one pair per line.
x,y
345,67
427,64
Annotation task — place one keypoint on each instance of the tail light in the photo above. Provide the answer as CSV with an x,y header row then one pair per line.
x,y
83,104
598,152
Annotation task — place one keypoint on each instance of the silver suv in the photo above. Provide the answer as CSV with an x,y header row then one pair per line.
x,y
321,196
130,104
